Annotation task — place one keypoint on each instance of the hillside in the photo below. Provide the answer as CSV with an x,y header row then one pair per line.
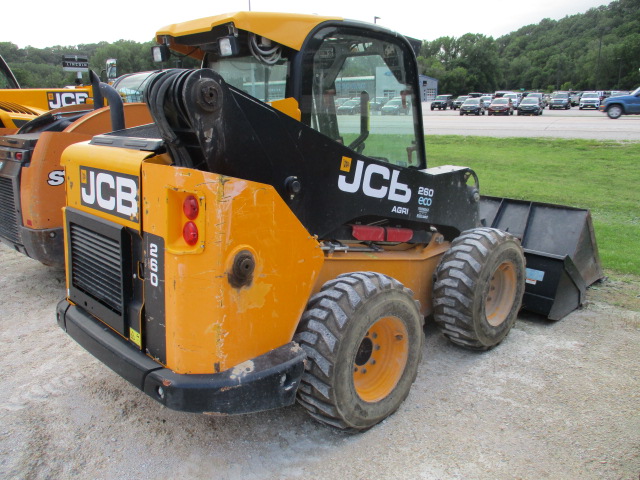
x,y
597,50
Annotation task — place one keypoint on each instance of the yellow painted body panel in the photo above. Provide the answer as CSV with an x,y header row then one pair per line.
x,y
210,325
288,106
104,158
287,29
41,100
41,199
413,266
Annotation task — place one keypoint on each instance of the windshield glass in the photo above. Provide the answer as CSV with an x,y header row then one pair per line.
x,y
472,101
264,82
6,79
590,95
361,67
531,101
501,101
131,87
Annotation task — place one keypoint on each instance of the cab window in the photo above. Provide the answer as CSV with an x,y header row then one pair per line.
x,y
362,98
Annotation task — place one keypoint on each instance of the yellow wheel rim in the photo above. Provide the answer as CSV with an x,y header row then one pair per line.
x,y
502,289
381,359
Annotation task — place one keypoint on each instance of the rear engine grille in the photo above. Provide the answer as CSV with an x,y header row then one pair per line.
x,y
96,267
8,212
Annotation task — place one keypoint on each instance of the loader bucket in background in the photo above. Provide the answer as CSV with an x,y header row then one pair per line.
x,y
560,248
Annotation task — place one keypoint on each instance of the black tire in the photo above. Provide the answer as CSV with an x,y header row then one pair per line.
x,y
478,289
363,337
614,111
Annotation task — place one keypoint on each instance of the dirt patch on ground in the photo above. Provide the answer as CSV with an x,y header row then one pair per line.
x,y
619,290
556,400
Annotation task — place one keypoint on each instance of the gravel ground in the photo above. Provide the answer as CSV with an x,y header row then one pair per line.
x,y
554,401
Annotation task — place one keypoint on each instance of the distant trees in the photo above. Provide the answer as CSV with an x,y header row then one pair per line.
x,y
465,64
597,50
42,67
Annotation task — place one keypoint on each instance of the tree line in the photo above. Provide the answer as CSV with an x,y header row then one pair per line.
x,y
596,50
42,67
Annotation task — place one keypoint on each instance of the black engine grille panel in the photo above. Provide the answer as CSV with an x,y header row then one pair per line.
x,y
96,266
8,212
99,263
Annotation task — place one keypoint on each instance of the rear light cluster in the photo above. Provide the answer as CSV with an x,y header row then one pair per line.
x,y
17,155
191,209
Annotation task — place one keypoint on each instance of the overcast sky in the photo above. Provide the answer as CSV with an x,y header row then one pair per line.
x,y
48,23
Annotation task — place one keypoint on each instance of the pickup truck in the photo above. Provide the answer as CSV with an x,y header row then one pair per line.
x,y
615,107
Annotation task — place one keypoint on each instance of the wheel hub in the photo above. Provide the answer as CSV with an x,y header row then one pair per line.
x,y
380,359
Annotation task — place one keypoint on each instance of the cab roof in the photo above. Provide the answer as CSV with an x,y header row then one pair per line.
x,y
287,29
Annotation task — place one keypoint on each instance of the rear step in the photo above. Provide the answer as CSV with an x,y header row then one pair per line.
x,y
560,247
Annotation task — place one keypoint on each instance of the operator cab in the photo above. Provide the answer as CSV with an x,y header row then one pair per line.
x,y
335,60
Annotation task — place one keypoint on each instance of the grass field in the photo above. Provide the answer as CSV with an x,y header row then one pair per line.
x,y
602,176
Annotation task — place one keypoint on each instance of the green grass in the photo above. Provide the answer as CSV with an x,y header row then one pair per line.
x,y
602,176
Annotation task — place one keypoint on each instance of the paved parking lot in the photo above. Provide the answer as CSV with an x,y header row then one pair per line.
x,y
573,123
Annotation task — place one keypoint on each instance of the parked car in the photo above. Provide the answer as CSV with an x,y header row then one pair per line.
x,y
457,103
441,102
340,101
540,96
619,93
589,100
560,100
472,106
501,106
377,103
486,99
396,106
515,98
615,107
575,98
350,107
530,106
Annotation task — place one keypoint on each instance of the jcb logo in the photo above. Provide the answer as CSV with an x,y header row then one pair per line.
x,y
63,99
377,181
114,193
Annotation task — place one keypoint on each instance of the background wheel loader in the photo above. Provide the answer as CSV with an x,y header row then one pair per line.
x,y
21,105
251,246
32,179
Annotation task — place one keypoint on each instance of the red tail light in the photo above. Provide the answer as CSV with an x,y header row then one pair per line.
x,y
190,233
190,207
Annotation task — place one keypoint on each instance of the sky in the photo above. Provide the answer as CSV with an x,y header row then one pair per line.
x,y
48,23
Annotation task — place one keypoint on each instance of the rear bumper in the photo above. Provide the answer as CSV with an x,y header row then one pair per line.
x,y
263,383
44,245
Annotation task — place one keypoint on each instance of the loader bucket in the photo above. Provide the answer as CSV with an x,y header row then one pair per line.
x,y
560,248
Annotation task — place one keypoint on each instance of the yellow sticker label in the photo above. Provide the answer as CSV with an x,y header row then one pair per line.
x,y
135,337
345,165
83,176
